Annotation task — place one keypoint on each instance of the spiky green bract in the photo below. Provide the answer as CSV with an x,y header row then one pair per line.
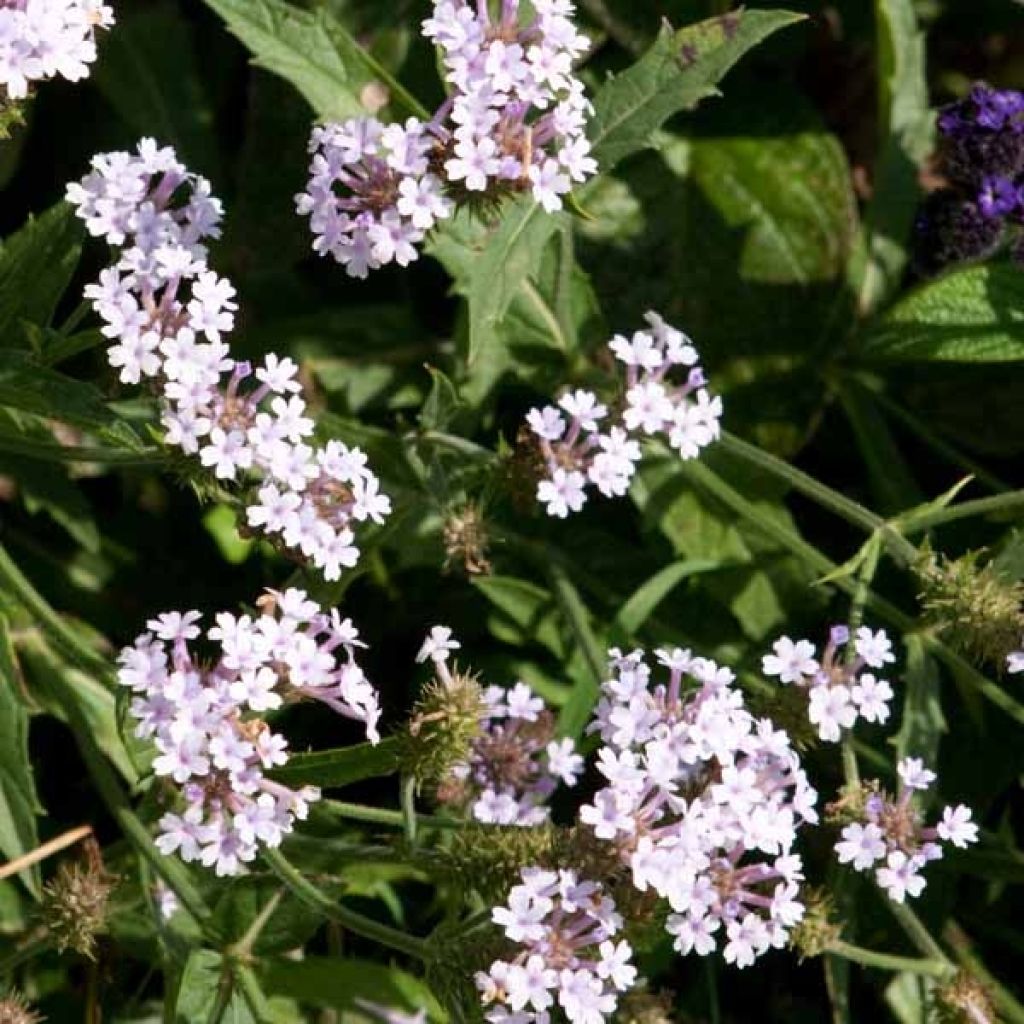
x,y
14,1009
443,725
975,608
817,932
458,954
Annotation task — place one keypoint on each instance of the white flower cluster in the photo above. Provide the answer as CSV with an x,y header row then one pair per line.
x,y
702,802
168,311
515,764
569,957
389,199
581,442
838,691
891,832
40,39
204,717
514,122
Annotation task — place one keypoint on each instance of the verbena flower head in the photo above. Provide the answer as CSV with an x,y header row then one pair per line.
x,y
516,118
514,122
371,196
168,313
839,691
205,717
702,803
41,39
584,443
568,959
890,838
514,762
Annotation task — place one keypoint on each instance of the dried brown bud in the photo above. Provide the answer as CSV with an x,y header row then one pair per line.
x,y
466,541
963,1000
14,1009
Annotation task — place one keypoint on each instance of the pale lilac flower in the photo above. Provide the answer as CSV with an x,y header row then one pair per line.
x,y
203,717
582,443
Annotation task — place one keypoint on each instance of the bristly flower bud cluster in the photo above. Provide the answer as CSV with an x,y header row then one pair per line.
x,y
584,443
514,121
42,39
838,691
76,903
982,158
975,608
816,932
513,763
168,313
205,718
891,833
964,1000
564,929
466,541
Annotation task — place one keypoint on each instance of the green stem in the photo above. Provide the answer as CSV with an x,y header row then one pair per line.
x,y
225,990
309,894
576,615
244,947
853,512
890,962
252,992
926,520
917,932
384,816
409,809
714,485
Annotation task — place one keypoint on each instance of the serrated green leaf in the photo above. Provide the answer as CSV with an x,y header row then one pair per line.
x,y
681,68
18,800
973,315
313,51
340,767
333,982
36,265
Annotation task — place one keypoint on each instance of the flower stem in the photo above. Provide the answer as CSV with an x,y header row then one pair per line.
x,y
917,932
409,820
309,894
890,962
927,519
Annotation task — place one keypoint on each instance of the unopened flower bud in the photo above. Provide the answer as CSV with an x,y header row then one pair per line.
x,y
76,902
963,1001
817,932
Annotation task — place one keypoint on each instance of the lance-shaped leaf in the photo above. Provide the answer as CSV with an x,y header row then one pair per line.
x,y
680,69
18,802
342,766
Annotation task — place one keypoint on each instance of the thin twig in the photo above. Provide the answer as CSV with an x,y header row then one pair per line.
x,y
61,842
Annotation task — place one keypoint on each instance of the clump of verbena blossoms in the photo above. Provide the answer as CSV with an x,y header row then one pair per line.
x,y
887,834
204,715
565,929
514,121
981,156
838,690
512,763
167,313
41,39
702,803
582,442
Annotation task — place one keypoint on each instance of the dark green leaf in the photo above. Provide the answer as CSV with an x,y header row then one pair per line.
x,y
922,723
18,801
974,315
333,982
340,767
681,68
36,265
291,925
645,599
